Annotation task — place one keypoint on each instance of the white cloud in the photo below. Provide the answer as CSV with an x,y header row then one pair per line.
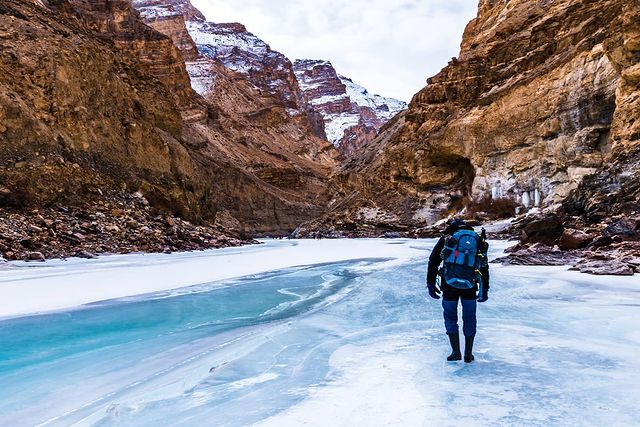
x,y
390,47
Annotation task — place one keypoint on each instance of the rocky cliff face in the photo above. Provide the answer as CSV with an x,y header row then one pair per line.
x,y
248,125
95,105
351,114
169,19
542,95
72,71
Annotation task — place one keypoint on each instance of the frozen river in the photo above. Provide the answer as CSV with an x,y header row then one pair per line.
x,y
350,340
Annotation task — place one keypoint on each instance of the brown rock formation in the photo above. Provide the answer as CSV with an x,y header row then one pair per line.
x,y
541,95
171,23
80,100
301,88
94,102
249,126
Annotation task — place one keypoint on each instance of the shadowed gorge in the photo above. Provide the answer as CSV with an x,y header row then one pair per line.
x,y
204,122
96,105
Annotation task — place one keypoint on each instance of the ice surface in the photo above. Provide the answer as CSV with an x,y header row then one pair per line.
x,y
37,287
346,342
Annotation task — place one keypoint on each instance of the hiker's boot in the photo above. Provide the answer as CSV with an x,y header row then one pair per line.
x,y
468,349
454,340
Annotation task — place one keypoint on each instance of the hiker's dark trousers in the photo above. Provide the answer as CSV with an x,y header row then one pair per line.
x,y
450,297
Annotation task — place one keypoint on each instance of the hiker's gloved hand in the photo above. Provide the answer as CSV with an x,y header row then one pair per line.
x,y
434,292
485,295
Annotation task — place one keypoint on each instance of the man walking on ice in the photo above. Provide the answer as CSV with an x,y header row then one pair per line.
x,y
464,276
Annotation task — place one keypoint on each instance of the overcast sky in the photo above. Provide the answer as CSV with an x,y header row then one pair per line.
x,y
388,46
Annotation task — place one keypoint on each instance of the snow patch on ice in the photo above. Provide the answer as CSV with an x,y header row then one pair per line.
x,y
369,380
260,379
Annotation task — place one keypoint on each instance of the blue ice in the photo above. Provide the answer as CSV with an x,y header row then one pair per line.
x,y
349,343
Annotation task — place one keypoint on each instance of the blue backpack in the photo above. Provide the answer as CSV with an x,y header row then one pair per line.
x,y
463,254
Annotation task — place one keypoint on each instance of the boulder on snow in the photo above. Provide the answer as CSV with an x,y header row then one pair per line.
x,y
574,239
86,255
34,256
604,267
547,230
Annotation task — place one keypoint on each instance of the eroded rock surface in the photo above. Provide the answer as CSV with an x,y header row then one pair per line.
x,y
332,106
94,100
542,95
611,246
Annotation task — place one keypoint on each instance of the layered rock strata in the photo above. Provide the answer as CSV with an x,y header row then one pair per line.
x,y
542,95
249,126
601,217
94,101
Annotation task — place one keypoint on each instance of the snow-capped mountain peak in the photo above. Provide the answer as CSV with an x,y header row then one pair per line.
x,y
241,51
352,115
157,9
363,98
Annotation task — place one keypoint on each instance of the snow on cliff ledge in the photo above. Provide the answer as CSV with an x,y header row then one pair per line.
x,y
352,116
343,104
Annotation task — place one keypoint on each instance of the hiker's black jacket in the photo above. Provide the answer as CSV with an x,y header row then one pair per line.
x,y
435,260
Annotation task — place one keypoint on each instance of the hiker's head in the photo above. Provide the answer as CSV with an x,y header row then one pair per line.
x,y
454,224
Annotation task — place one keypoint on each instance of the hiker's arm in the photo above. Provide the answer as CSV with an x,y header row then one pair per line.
x,y
484,264
485,276
434,262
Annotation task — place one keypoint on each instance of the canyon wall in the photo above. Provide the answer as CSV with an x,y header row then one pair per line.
x,y
94,103
542,95
332,107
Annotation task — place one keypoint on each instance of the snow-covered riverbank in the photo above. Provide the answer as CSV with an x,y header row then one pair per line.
x,y
27,288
